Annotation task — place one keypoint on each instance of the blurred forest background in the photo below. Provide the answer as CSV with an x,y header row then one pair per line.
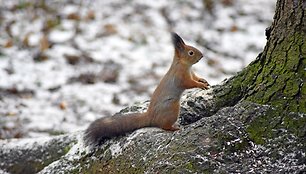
x,y
65,63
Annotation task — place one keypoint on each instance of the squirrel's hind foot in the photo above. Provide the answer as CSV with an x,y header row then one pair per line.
x,y
173,127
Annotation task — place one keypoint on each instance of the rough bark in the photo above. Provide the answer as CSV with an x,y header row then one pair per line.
x,y
253,122
277,76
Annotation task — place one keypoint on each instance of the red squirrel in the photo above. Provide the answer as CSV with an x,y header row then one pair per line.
x,y
164,107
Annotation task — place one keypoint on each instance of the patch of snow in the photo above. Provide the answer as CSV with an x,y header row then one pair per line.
x,y
133,35
115,149
60,36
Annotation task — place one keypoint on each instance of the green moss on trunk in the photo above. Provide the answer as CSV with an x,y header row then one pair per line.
x,y
276,78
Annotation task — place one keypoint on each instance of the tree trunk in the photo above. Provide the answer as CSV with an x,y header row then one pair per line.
x,y
277,77
253,123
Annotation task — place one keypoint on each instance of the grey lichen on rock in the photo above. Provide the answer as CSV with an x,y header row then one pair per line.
x,y
32,155
217,142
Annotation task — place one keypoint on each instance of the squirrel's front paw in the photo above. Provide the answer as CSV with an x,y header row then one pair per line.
x,y
204,83
203,86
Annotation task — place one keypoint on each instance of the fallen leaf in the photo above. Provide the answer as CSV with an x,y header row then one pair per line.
x,y
39,57
73,16
25,40
110,29
90,15
234,28
72,59
63,105
9,43
44,43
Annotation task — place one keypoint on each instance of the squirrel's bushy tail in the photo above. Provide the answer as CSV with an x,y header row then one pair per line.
x,y
108,127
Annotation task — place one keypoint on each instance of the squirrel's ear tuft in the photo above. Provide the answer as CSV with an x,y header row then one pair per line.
x,y
177,41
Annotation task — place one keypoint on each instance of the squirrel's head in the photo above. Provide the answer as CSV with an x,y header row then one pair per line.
x,y
184,53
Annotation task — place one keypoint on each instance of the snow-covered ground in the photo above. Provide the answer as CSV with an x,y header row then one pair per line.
x,y
62,65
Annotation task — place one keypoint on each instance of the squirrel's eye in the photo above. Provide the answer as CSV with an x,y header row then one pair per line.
x,y
190,53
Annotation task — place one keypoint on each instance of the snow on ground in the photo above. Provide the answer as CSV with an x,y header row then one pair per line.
x,y
62,65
